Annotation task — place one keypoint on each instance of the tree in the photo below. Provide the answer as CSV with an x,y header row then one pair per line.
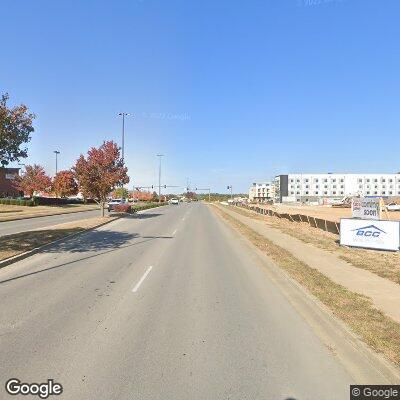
x,y
121,193
15,130
33,179
99,173
154,196
64,184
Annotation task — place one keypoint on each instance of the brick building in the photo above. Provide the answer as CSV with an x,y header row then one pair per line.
x,y
7,176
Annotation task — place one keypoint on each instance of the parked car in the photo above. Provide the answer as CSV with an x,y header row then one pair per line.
x,y
174,201
114,202
393,207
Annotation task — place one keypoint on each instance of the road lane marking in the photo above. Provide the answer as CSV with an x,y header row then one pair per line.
x,y
174,232
135,289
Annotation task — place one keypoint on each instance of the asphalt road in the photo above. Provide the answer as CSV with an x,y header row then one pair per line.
x,y
29,224
171,305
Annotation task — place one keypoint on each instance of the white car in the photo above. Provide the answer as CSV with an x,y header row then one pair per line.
x,y
393,207
115,202
174,201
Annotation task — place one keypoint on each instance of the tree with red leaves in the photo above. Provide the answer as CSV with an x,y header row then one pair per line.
x,y
64,184
99,173
15,130
33,179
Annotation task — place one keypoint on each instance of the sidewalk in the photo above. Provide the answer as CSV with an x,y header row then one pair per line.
x,y
384,294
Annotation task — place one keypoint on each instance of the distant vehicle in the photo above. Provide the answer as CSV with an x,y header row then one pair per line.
x,y
393,207
115,202
174,201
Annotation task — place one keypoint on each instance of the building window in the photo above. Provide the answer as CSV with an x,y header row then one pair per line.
x,y
325,192
333,192
360,181
307,192
316,192
342,180
368,192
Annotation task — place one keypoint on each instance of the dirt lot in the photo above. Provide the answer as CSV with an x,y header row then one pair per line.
x,y
9,213
383,263
324,212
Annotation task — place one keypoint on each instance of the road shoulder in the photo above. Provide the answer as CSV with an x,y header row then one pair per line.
x,y
362,362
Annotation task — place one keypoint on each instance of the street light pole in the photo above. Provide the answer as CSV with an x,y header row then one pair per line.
x,y
159,177
56,152
124,114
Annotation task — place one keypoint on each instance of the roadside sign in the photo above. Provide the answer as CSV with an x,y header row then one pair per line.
x,y
366,208
372,234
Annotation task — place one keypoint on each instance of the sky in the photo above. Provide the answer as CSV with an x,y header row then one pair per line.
x,y
231,92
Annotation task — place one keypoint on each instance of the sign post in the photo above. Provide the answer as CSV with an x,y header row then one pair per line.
x,y
366,208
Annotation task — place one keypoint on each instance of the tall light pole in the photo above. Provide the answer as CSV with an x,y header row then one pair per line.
x,y
56,152
159,177
124,114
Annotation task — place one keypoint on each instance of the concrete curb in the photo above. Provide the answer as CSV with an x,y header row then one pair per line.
x,y
48,215
26,254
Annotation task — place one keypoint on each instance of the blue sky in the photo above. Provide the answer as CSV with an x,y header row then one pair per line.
x,y
229,91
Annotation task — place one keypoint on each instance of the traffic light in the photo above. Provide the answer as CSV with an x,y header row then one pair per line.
x,y
152,186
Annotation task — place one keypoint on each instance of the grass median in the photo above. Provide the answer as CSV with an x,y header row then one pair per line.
x,y
13,245
376,329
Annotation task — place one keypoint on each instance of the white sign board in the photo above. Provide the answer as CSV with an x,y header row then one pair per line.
x,y
366,208
372,234
10,176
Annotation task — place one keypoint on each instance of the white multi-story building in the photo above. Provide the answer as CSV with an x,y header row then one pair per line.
x,y
261,192
313,187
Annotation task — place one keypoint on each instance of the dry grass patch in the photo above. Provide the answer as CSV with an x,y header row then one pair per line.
x,y
373,327
382,263
12,245
10,212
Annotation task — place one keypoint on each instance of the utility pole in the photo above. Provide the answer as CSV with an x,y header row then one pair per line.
x,y
159,177
123,114
56,152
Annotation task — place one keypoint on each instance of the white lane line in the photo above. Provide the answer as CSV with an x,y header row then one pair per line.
x,y
174,232
135,289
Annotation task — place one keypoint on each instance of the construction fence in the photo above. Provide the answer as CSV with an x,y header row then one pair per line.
x,y
325,225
